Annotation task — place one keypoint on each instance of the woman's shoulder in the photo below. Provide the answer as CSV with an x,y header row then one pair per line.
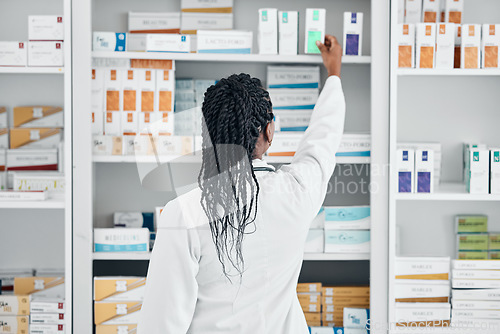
x,y
184,211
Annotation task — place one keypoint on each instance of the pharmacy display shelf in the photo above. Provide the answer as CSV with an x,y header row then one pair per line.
x,y
446,72
448,192
194,159
51,203
32,70
307,256
440,330
241,58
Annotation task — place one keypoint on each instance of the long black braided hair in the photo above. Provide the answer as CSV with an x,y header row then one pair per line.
x,y
235,111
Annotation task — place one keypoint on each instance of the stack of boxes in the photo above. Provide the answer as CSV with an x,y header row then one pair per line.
x,y
14,314
338,299
45,46
422,291
481,169
474,242
419,167
309,295
476,294
47,315
117,302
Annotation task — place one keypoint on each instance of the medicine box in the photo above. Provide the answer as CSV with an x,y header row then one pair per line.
x,y
231,41
130,87
268,31
147,88
286,98
3,118
494,255
475,265
431,11
414,291
168,43
129,123
471,224
40,287
13,53
45,28
98,123
109,41
490,45
148,23
458,46
43,305
418,314
315,242
39,181
476,274
292,120
38,117
401,11
426,43
107,145
288,24
494,242
308,307
293,76
14,305
14,324
413,11
472,242
346,291
47,318
112,124
113,89
47,329
35,138
471,46
191,22
115,329
121,240
285,144
495,171
424,169
454,11
4,139
119,288
422,268
475,283
213,6
165,86
347,218
477,177
406,45
477,295
353,33
134,220
32,160
45,53
117,313
445,45
354,145
356,317
315,29
406,170
347,241
308,287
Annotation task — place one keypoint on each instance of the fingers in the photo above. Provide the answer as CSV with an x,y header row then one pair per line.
x,y
331,40
321,46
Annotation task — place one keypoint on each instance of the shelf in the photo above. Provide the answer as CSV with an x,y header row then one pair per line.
x,y
32,70
439,330
195,159
448,192
307,256
452,72
51,203
241,58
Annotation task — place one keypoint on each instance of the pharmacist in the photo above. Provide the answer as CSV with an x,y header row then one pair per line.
x,y
228,254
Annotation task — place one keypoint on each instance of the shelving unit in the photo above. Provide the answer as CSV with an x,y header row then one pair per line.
x,y
453,72
32,70
453,191
51,203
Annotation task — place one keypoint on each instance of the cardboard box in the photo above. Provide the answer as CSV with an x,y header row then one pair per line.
x,y
130,87
454,11
32,160
35,138
471,46
308,287
191,22
315,242
121,240
164,64
422,268
413,11
353,33
113,89
477,181
214,6
356,317
47,329
97,91
117,289
315,29
45,28
232,41
431,11
475,305
413,314
38,117
40,287
154,23
46,53
347,218
495,171
426,43
424,169
292,99
406,45
475,283
458,46
112,125
109,41
406,170
168,43
165,88
147,86
312,317
268,31
345,241
471,224
14,324
14,305
422,291
288,24
115,329
116,313
47,318
293,77
490,45
13,54
309,297
445,46
42,305
311,307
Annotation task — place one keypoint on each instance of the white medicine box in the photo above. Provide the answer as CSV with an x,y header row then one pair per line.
x,y
46,53
471,46
268,31
495,171
13,53
45,28
490,45
445,45
426,45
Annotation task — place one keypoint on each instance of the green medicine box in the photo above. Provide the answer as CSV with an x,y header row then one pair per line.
x,y
473,242
494,255
494,244
464,255
471,224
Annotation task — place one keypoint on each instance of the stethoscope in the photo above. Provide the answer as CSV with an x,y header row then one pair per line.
x,y
263,169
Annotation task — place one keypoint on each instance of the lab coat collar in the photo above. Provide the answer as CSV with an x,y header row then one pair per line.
x,y
261,165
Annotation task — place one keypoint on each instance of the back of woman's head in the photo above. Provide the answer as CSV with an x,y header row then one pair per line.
x,y
235,111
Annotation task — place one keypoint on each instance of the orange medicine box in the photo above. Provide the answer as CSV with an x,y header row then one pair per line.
x,y
43,287
147,88
119,288
426,44
454,11
311,317
471,46
312,297
430,11
165,85
491,42
309,287
113,89
38,117
14,305
458,46
346,291
35,138
15,324
406,45
117,313
130,85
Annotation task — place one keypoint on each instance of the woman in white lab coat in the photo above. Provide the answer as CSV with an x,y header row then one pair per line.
x,y
228,254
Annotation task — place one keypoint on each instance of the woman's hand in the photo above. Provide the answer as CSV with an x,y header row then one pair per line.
x,y
331,52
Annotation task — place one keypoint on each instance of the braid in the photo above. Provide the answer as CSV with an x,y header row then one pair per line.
x,y
235,111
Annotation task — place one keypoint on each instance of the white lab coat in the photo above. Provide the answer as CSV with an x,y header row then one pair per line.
x,y
186,290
